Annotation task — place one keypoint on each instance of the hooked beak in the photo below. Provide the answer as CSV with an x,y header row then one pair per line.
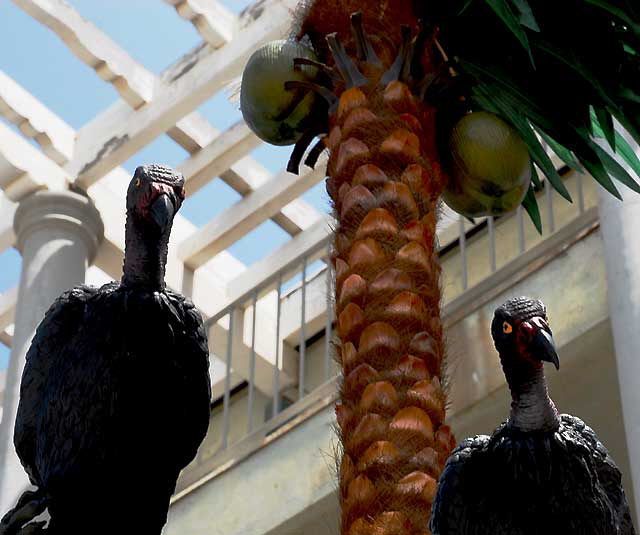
x,y
162,212
544,347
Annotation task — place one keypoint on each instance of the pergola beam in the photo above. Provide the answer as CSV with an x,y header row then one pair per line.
x,y
24,169
234,143
117,134
35,121
214,22
112,63
94,48
7,211
7,340
8,301
245,215
246,175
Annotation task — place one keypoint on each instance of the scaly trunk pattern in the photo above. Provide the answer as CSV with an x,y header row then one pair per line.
x,y
385,183
392,404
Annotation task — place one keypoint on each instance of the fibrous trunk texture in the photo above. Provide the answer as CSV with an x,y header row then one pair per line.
x,y
385,185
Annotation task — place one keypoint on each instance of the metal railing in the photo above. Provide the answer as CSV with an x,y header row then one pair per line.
x,y
279,335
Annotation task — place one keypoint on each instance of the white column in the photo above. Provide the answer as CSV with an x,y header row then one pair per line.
x,y
58,234
620,226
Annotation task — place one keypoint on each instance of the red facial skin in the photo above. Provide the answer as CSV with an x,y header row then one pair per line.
x,y
525,333
146,200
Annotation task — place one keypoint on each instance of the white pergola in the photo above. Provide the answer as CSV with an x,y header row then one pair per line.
x,y
89,161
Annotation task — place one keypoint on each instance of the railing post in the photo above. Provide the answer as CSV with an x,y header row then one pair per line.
x,y
303,330
252,362
463,252
276,367
522,245
491,225
234,339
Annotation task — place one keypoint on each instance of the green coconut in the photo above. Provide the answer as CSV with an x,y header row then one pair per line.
x,y
472,203
490,167
276,115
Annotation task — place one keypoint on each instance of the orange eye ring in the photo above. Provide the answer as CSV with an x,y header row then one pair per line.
x,y
507,328
138,182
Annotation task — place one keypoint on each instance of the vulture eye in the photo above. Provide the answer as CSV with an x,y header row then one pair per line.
x,y
507,328
138,182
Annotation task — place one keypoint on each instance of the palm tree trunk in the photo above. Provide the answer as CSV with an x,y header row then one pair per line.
x,y
385,183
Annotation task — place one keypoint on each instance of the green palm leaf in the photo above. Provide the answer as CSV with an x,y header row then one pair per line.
x,y
586,74
526,15
622,146
530,204
616,170
562,152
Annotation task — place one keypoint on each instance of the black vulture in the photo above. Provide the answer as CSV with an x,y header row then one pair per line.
x,y
115,394
540,472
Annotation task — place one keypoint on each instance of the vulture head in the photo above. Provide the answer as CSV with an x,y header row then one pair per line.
x,y
154,196
522,335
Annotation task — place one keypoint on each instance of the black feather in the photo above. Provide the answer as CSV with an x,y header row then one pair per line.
x,y
105,401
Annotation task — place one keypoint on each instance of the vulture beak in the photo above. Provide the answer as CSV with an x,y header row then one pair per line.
x,y
542,344
162,211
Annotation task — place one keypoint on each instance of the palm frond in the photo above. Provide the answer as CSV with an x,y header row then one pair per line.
x,y
566,72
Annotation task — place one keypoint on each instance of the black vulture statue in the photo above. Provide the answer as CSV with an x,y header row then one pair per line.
x,y
115,394
540,473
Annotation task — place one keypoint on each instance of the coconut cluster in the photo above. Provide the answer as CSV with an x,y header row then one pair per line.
x,y
487,161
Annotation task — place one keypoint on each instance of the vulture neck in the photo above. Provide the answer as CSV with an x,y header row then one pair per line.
x,y
531,406
145,255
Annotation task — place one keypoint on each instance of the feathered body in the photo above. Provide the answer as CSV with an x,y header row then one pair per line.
x,y
115,394
532,483
114,403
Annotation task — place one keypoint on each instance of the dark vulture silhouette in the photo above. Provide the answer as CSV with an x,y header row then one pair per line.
x,y
540,473
115,394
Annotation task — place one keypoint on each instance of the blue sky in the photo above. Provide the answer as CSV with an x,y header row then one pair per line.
x,y
153,33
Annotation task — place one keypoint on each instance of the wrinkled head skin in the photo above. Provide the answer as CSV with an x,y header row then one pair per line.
x,y
154,196
521,333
